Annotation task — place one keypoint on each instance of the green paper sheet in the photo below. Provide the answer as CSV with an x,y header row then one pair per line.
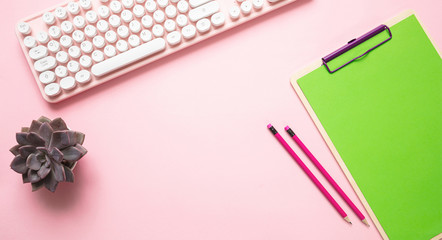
x,y
383,114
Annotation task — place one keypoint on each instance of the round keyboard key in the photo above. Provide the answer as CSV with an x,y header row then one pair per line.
x,y
73,8
162,3
48,18
123,31
83,76
78,36
169,25
146,35
188,31
38,52
98,56
150,6
47,77
61,13
134,40
122,45
174,1
54,32
173,38
103,11
98,41
234,12
158,30
67,27
115,6
52,89
91,17
135,26
73,66
138,11
53,46
62,57
102,26
110,51
45,64
85,4
111,36
159,16
203,25
127,3
67,83
115,21
29,42
90,31
182,6
85,61
181,20
66,41
246,7
74,52
170,11
257,4
42,37
127,16
61,71
147,21
86,47
218,19
140,1
79,21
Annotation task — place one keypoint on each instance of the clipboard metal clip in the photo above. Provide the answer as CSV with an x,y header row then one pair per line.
x,y
353,43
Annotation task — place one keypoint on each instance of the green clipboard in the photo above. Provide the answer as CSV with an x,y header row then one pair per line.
x,y
381,117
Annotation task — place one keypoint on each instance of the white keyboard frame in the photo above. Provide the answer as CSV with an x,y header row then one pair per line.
x,y
38,25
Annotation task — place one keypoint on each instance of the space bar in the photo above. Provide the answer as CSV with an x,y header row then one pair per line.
x,y
128,57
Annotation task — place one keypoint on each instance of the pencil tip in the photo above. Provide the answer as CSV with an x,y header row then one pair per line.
x,y
348,220
365,222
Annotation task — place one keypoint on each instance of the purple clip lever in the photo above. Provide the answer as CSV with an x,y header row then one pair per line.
x,y
353,43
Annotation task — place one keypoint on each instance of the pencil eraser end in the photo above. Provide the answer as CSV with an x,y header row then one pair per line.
x,y
269,126
287,128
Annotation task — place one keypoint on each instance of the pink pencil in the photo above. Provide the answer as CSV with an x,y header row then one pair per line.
x,y
326,175
309,173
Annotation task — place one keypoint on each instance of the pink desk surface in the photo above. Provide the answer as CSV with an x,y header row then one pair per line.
x,y
180,149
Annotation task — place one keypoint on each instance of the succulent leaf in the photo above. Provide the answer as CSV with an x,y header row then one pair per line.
x,y
45,132
33,176
72,154
35,125
19,164
69,174
57,155
35,139
44,119
58,171
22,138
26,150
79,137
37,185
14,150
44,171
50,182
46,153
58,124
32,162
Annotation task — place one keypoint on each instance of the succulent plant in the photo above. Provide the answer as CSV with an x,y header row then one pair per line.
x,y
47,152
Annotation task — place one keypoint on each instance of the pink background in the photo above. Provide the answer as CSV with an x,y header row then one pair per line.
x,y
179,149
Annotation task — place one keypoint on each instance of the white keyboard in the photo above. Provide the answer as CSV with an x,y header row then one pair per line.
x,y
81,44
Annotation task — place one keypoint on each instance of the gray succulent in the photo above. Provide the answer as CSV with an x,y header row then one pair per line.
x,y
47,152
